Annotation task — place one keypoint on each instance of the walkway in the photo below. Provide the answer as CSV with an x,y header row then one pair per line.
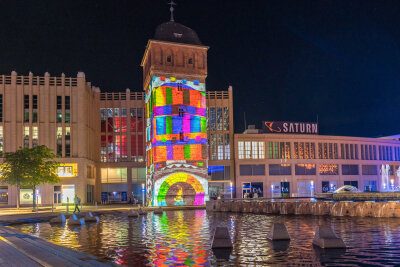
x,y
17,249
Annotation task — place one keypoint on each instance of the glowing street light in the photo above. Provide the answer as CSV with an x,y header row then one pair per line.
x,y
231,191
143,194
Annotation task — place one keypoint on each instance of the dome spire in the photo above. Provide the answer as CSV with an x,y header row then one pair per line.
x,y
171,9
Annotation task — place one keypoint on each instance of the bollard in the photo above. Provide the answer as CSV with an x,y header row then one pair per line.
x,y
325,237
52,207
221,238
67,208
278,232
81,207
96,205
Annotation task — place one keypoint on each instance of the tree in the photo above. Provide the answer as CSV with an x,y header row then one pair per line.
x,y
30,167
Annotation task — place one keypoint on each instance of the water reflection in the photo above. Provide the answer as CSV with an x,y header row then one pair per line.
x,y
184,238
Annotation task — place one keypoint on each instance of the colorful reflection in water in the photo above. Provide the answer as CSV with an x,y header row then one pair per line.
x,y
183,238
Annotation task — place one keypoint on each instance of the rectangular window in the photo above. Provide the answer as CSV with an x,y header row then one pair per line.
x,y
342,151
68,141
247,149
241,150
335,151
103,116
252,170
347,151
220,147
369,170
351,151
304,169
217,173
325,152
355,151
114,175
226,119
348,169
59,109
138,175
67,107
219,119
328,169
26,108
35,136
254,150
312,151
1,108
261,150
34,108
270,150
320,154
280,169
330,151
227,147
362,152
1,141
301,150
213,146
26,137
59,141
296,150
213,126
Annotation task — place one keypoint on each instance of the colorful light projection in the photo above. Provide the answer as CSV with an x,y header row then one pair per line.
x,y
176,131
164,189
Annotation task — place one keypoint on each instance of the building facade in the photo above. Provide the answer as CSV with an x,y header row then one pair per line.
x,y
300,165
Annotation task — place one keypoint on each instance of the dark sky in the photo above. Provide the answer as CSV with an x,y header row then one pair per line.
x,y
286,60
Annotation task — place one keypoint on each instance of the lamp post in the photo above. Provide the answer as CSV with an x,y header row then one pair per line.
x,y
231,191
143,194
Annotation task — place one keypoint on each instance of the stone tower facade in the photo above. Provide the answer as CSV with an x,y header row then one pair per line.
x,y
174,76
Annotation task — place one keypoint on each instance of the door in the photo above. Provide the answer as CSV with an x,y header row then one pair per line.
x,y
285,189
246,189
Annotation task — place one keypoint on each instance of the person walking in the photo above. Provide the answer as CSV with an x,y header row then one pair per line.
x,y
77,201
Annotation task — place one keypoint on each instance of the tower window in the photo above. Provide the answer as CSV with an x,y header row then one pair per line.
x,y
169,59
190,61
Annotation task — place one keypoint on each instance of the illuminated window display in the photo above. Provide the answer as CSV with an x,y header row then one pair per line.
x,y
66,170
176,142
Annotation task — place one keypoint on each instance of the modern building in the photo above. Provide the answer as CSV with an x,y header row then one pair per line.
x,y
109,142
300,165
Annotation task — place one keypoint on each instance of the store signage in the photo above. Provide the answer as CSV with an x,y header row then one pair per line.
x,y
290,127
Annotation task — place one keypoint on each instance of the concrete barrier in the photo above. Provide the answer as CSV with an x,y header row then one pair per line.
x,y
59,219
325,237
278,232
159,210
90,218
73,220
221,239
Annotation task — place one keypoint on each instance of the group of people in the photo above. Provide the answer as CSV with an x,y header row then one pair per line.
x,y
254,193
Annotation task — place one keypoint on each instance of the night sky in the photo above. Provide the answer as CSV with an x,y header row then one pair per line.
x,y
286,60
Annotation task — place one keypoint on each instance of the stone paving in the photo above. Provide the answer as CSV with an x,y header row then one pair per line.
x,y
17,249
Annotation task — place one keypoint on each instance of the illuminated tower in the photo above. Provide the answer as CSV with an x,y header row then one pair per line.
x,y
174,75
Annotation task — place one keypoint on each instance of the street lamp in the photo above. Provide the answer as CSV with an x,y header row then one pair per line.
x,y
231,191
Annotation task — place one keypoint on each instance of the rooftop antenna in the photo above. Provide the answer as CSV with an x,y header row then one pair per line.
x,y
171,9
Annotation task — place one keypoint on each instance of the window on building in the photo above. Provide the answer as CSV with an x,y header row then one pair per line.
x,y
26,137
169,59
320,153
4,194
335,151
369,170
219,119
67,107
68,141
355,151
348,169
254,150
103,116
35,136
26,108
190,61
261,150
252,169
138,175
328,169
347,151
1,108
362,153
247,149
114,175
59,109
220,146
241,150
330,151
226,118
1,141
220,172
280,169
34,108
59,141
211,119
304,169
342,151
227,147
103,149
213,146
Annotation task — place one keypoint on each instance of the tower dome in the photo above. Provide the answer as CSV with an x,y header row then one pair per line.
x,y
177,33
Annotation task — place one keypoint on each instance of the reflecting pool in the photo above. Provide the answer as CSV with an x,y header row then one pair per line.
x,y
184,238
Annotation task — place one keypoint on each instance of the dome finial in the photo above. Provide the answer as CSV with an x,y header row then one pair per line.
x,y
171,9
